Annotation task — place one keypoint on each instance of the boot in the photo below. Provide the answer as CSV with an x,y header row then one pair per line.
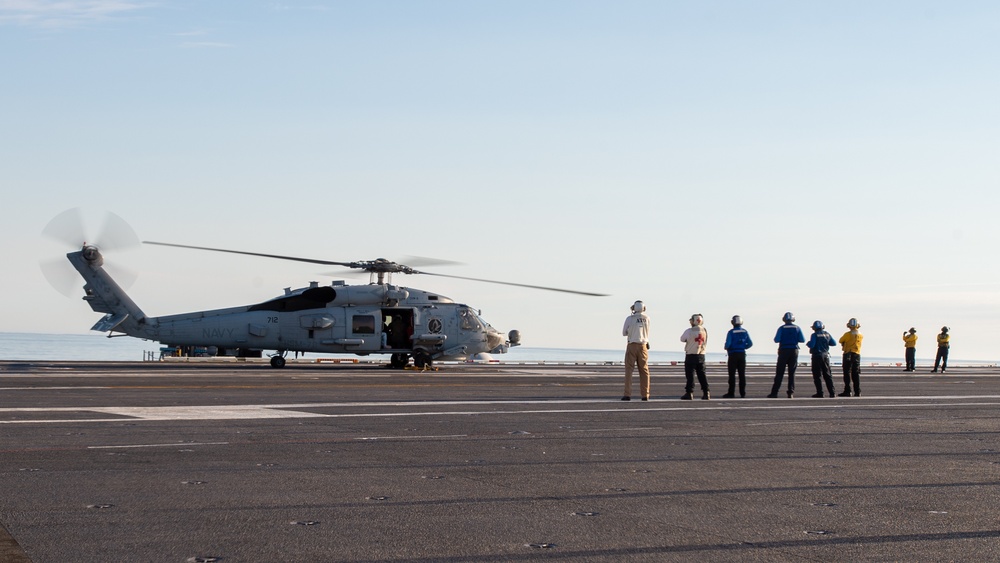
x,y
846,393
706,396
686,397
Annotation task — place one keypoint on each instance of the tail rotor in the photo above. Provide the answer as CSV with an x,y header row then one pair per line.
x,y
70,231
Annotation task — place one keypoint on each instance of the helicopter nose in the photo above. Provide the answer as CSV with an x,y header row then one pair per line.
x,y
494,339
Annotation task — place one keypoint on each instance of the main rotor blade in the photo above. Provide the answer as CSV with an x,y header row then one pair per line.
x,y
367,265
278,256
517,284
423,262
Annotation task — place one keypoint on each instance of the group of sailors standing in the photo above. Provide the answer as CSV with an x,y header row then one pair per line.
x,y
738,341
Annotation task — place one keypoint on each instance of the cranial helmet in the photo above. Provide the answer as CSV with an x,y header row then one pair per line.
x,y
788,318
696,319
853,323
818,326
638,307
737,321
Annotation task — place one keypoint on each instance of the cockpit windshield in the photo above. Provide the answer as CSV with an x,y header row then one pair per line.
x,y
482,321
469,320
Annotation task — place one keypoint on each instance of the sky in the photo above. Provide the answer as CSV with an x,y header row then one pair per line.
x,y
832,159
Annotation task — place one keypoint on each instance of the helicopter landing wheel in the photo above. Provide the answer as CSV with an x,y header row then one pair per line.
x,y
422,360
399,361
277,362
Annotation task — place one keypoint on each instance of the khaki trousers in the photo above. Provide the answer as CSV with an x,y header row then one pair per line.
x,y
636,354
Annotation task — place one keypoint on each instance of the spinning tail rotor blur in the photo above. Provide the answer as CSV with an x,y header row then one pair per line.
x,y
69,229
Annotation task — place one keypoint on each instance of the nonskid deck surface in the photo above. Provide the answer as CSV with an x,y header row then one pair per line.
x,y
148,461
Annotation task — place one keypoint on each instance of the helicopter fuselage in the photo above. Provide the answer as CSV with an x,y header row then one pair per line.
x,y
369,319
335,318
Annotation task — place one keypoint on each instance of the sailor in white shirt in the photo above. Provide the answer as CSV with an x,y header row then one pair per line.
x,y
637,352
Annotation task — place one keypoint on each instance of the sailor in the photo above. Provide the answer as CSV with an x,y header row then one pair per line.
x,y
851,344
910,343
944,343
695,340
636,329
788,338
819,344
737,342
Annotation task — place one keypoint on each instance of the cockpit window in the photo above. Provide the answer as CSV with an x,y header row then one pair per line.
x,y
482,321
468,320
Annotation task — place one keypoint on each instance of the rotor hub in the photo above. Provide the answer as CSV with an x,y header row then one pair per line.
x,y
382,266
92,254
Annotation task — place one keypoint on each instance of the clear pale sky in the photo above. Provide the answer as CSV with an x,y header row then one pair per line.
x,y
833,159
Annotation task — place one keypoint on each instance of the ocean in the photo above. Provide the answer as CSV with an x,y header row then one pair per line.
x,y
96,347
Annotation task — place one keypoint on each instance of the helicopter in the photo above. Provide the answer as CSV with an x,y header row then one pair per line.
x,y
377,318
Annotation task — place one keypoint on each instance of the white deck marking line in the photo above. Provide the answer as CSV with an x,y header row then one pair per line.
x,y
49,388
57,421
731,403
229,412
373,438
255,412
752,403
789,422
621,410
617,429
182,444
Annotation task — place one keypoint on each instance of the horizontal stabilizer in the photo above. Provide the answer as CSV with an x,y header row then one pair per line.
x,y
109,322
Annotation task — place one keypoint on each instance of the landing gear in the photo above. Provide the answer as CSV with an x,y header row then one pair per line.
x,y
277,361
399,361
422,360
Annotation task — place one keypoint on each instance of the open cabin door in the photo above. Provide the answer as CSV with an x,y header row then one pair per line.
x,y
397,329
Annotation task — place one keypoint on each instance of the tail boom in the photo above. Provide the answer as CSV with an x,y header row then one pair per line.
x,y
105,296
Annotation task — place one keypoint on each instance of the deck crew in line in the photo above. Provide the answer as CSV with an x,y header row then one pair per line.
x,y
788,338
695,341
910,344
636,329
819,345
851,344
944,344
737,342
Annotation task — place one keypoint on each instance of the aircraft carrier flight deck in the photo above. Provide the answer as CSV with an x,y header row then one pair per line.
x,y
163,461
